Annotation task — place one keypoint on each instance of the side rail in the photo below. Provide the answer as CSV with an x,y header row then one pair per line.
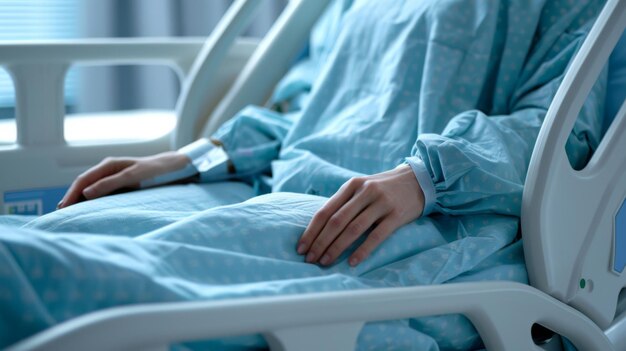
x,y
569,218
502,312
38,71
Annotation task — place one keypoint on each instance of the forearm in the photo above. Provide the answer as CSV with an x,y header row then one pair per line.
x,y
202,158
243,147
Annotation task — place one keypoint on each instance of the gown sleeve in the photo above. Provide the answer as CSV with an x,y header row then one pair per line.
x,y
242,147
478,164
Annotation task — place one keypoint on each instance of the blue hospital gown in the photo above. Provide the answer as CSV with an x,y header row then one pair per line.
x,y
461,86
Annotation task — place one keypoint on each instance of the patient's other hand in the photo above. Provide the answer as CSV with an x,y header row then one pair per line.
x,y
115,173
385,201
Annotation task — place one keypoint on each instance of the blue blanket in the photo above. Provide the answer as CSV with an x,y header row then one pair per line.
x,y
462,85
159,245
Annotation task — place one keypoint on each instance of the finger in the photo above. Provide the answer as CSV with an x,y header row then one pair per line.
x,y
105,186
374,239
105,168
323,214
337,223
353,231
72,195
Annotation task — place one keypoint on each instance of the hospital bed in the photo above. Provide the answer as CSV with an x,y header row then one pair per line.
x,y
573,222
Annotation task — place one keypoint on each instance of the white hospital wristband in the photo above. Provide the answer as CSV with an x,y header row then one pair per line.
x,y
209,160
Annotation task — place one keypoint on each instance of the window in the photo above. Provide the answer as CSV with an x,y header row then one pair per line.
x,y
7,95
33,20
36,20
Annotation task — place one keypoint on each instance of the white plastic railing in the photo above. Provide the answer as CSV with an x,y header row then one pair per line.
x,y
38,71
568,215
502,312
199,94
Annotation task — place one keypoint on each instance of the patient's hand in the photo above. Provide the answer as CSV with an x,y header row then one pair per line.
x,y
385,201
115,173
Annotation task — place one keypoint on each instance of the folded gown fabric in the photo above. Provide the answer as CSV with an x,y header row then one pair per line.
x,y
462,85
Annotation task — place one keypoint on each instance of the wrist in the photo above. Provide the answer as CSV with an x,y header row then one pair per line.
x,y
174,159
209,160
426,183
170,167
406,172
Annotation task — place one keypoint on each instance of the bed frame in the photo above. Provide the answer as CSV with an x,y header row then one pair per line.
x,y
573,242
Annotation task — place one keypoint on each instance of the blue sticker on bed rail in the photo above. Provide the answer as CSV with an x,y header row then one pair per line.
x,y
33,201
619,258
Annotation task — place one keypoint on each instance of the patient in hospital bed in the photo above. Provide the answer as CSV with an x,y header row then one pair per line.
x,y
397,158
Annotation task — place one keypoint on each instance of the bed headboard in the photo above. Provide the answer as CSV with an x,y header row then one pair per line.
x,y
572,248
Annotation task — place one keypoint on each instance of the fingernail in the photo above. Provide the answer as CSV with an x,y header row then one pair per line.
x,y
310,257
60,204
325,260
353,262
88,192
301,249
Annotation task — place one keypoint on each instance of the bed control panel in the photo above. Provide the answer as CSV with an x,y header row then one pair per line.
x,y
619,241
33,202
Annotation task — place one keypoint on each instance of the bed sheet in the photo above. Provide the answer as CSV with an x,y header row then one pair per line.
x,y
16,220
193,242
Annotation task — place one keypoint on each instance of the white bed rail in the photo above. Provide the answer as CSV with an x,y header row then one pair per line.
x,y
179,52
502,312
199,94
38,71
568,216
